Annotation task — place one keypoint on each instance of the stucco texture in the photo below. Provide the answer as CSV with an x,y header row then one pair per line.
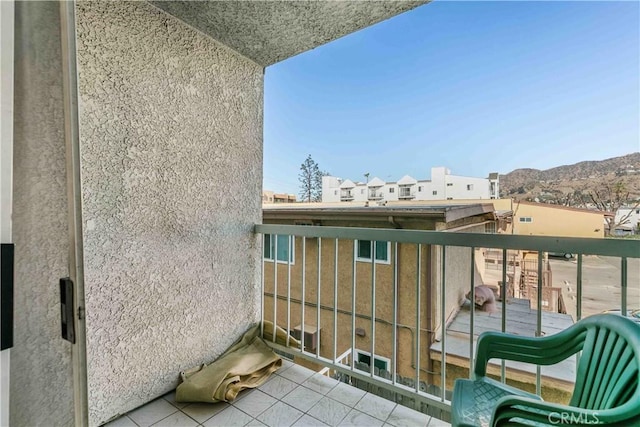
x,y
270,31
171,154
41,375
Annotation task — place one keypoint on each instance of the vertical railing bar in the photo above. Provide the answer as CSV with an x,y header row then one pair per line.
x,y
623,286
579,289
275,284
418,296
335,303
539,320
353,308
373,307
304,296
579,298
318,306
443,320
503,294
394,337
262,293
291,242
472,310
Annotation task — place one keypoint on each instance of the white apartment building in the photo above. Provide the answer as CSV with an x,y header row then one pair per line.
x,y
441,186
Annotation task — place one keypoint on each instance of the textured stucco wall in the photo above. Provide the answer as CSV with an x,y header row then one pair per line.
x,y
171,153
270,31
41,374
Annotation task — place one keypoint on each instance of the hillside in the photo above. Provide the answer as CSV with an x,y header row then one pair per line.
x,y
571,184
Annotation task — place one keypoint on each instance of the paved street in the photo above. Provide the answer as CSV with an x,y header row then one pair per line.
x,y
600,283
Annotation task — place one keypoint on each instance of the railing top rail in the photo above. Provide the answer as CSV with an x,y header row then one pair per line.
x,y
575,245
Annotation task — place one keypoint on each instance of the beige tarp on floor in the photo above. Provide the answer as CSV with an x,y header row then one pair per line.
x,y
246,364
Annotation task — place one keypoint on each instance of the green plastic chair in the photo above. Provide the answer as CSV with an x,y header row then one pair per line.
x,y
607,388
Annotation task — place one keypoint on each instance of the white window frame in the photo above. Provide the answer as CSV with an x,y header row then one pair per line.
x,y
292,256
392,190
525,219
358,352
378,261
434,193
469,187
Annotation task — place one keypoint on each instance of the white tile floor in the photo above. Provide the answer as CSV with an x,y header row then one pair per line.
x,y
294,396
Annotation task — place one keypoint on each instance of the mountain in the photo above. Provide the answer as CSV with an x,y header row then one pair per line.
x,y
571,184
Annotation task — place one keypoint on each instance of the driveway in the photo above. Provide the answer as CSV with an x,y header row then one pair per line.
x,y
600,283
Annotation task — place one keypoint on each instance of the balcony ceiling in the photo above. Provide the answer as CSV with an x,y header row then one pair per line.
x,y
271,31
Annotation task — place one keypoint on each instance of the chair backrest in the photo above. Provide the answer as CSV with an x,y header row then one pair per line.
x,y
608,373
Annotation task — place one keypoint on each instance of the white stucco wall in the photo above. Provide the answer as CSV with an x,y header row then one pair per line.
x,y
41,390
171,153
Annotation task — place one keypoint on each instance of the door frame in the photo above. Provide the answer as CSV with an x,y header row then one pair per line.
x,y
7,19
74,203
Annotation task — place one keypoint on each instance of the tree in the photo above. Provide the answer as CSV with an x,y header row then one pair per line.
x,y
310,178
609,197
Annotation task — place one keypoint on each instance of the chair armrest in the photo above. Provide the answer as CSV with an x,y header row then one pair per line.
x,y
539,351
551,414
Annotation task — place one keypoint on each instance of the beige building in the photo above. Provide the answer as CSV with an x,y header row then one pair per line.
x,y
339,268
539,219
542,219
271,197
357,256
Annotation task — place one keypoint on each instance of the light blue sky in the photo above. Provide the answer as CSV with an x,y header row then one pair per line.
x,y
478,87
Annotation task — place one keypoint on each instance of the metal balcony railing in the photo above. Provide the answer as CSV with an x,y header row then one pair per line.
x,y
346,195
375,305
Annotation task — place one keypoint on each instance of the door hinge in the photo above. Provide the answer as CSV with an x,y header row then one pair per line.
x,y
81,313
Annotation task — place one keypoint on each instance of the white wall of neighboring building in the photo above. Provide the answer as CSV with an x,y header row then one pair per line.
x,y
634,217
331,189
442,186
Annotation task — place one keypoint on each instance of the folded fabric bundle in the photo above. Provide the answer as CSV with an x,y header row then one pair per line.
x,y
246,364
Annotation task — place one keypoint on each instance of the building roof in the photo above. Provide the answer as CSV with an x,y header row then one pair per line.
x,y
567,208
407,180
375,182
521,320
347,183
356,211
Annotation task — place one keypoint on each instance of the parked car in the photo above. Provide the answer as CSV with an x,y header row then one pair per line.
x,y
564,255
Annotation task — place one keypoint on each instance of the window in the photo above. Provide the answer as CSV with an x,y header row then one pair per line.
x,y
420,188
490,227
525,219
381,250
435,192
449,184
391,190
335,193
469,187
362,191
284,241
449,198
379,362
405,192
